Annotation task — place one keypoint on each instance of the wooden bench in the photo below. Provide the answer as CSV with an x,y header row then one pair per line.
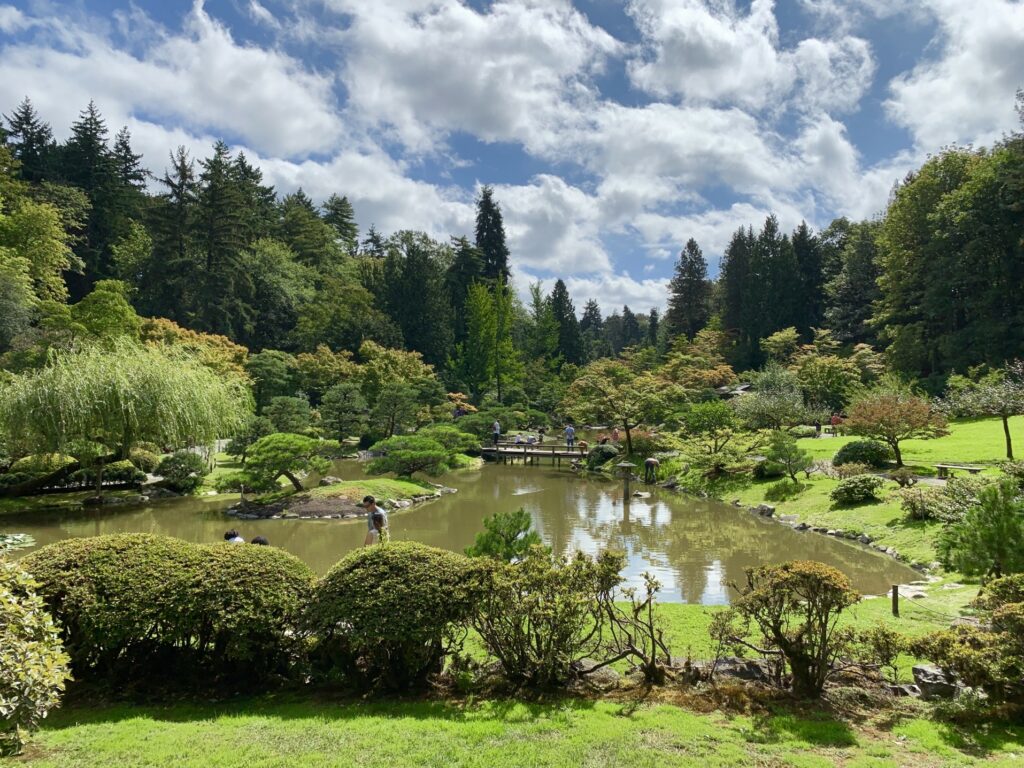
x,y
945,470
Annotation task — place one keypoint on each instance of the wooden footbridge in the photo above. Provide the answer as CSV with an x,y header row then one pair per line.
x,y
530,453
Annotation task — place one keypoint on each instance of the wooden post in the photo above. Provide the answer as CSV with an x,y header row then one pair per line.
x,y
896,600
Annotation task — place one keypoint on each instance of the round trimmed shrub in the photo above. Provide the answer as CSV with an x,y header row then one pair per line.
x,y
33,665
143,607
768,470
37,464
857,490
10,479
183,471
389,614
600,455
144,460
114,472
870,452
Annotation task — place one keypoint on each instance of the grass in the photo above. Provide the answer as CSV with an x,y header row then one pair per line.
x,y
973,441
494,734
381,488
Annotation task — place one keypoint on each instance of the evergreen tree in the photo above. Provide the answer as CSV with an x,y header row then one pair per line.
x,y
490,237
32,142
337,211
811,300
544,329
653,326
592,330
172,221
688,309
475,356
258,216
415,295
735,280
373,245
128,164
631,333
853,291
466,268
570,342
224,286
311,239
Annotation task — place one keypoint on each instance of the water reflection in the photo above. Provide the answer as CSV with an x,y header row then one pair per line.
x,y
692,546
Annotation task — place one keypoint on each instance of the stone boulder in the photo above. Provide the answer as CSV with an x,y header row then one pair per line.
x,y
933,682
329,480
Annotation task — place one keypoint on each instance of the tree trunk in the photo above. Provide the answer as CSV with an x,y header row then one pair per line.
x,y
897,454
1006,433
294,480
629,439
99,480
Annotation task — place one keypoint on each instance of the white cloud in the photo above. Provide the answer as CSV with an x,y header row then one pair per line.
x,y
11,19
967,93
710,51
425,69
201,80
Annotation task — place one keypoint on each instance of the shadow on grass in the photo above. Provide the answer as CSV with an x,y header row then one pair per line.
x,y
820,730
319,706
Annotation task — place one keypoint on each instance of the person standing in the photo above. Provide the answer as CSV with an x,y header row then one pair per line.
x,y
570,436
615,435
370,505
496,431
378,533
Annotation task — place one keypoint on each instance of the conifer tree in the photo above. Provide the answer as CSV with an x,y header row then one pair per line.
x,y
811,304
31,140
688,308
338,212
466,268
570,343
490,237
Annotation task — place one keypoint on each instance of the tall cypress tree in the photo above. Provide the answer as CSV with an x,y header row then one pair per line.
x,y
688,308
339,214
31,141
490,237
570,343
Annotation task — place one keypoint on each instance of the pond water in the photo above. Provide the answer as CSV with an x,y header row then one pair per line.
x,y
693,546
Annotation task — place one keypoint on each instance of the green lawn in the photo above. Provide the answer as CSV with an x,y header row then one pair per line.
x,y
494,734
976,441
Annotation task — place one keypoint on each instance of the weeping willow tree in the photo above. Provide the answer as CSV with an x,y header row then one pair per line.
x,y
97,403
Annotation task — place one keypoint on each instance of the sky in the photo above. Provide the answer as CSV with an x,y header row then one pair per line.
x,y
612,130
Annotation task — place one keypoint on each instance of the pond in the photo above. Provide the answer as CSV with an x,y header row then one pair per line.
x,y
693,546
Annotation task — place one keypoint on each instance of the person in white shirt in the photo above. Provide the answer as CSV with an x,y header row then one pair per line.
x,y
232,537
378,532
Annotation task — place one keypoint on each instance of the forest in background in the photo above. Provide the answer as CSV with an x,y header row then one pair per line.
x,y
94,245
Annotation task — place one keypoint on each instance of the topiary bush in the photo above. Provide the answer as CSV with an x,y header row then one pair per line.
x,y
600,455
38,464
147,461
183,471
767,470
140,607
33,665
389,615
844,471
11,479
123,472
870,452
803,431
857,490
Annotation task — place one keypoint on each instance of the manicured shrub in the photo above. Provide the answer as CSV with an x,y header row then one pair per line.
x,y
144,460
989,656
407,454
141,607
795,606
803,431
857,490
33,665
452,438
904,478
38,464
388,615
123,472
542,616
844,471
183,471
600,455
10,479
870,452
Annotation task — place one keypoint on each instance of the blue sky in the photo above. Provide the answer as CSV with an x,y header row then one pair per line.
x,y
612,131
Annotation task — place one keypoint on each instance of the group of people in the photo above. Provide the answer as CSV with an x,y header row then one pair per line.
x,y
232,537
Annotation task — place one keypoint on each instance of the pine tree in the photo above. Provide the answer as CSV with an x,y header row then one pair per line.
x,y
172,222
592,330
543,341
631,334
490,237
32,142
688,308
312,239
373,245
570,343
128,164
653,326
258,217
855,289
339,214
